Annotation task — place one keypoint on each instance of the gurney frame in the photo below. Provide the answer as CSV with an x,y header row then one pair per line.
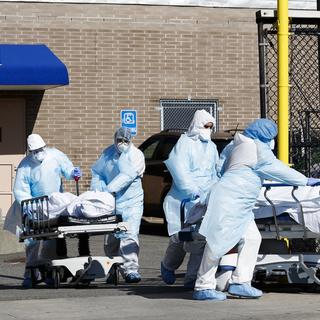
x,y
297,268
83,269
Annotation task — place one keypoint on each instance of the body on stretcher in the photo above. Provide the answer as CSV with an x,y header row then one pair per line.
x,y
38,225
287,221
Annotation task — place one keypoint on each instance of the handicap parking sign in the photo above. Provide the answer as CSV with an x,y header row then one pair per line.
x,y
129,120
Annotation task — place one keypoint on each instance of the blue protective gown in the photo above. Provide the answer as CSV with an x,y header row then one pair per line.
x,y
232,199
121,174
36,179
192,164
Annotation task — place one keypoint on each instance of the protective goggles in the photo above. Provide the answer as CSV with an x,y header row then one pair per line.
x,y
123,140
38,150
208,126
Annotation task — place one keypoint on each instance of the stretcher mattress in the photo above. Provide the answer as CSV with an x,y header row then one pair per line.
x,y
283,201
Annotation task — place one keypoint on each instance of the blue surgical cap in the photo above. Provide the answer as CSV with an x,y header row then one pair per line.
x,y
263,129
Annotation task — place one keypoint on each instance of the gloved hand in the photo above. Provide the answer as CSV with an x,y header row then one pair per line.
x,y
76,172
313,182
194,196
120,234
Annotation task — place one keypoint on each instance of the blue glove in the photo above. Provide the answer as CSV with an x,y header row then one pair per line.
x,y
313,182
120,235
76,172
195,195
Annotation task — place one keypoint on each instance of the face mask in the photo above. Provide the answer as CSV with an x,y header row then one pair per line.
x,y
123,147
272,144
205,134
39,156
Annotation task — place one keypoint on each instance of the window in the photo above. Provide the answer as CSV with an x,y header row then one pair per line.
x,y
165,148
177,114
149,150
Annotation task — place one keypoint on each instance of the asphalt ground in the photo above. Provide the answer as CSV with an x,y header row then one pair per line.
x,y
150,299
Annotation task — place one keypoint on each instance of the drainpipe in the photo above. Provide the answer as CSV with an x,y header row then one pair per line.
x,y
283,81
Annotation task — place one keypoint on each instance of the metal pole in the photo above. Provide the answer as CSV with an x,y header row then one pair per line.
x,y
262,71
283,81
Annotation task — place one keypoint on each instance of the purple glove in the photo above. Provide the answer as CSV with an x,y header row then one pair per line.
x,y
76,172
313,182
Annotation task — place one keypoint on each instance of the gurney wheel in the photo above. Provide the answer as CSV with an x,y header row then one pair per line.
x,y
56,277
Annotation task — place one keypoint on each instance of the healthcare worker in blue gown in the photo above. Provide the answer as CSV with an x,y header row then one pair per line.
x,y
39,174
229,220
119,171
192,164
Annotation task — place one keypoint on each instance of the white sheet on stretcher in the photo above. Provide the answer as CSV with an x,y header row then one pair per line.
x,y
281,197
90,204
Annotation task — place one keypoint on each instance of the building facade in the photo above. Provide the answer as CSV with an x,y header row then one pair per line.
x,y
129,56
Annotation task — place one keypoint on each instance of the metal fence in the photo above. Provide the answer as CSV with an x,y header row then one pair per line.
x,y
304,118
177,113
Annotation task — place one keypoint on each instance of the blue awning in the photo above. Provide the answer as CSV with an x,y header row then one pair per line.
x,y
30,67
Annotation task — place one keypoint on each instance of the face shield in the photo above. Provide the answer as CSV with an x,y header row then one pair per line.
x,y
122,139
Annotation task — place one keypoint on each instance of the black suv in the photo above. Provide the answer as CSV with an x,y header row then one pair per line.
x,y
157,179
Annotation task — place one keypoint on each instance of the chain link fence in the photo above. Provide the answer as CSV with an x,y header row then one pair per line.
x,y
304,98
178,113
304,121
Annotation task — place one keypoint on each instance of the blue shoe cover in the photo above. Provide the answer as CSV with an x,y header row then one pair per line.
x,y
167,276
209,294
244,290
27,283
133,277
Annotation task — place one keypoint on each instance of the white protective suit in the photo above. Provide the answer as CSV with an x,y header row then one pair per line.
x,y
120,174
229,219
35,179
192,164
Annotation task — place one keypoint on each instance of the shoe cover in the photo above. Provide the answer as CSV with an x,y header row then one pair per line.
x,y
167,276
244,290
209,294
133,277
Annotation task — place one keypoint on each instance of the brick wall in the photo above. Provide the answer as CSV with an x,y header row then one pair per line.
x,y
126,56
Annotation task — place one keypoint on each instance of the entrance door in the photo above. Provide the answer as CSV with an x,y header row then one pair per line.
x,y
12,147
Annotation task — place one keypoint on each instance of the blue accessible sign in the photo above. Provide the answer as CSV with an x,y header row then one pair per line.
x,y
129,120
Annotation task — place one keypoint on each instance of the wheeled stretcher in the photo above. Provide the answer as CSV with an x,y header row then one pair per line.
x,y
38,225
288,222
